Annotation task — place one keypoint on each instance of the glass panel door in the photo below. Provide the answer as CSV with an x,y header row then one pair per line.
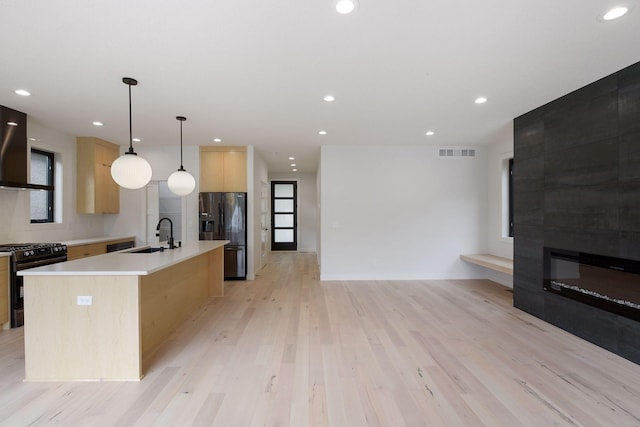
x,y
284,216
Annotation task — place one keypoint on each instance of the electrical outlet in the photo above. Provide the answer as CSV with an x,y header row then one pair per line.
x,y
85,300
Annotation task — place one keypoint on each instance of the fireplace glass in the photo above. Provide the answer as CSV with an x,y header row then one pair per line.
x,y
611,284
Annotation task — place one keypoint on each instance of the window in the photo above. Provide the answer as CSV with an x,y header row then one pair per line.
x,y
506,177
42,173
511,197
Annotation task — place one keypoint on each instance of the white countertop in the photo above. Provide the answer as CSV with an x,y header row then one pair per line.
x,y
91,240
126,264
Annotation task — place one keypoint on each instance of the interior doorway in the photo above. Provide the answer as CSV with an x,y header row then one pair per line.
x,y
264,223
161,202
284,216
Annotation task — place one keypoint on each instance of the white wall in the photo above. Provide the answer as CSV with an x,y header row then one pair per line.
x,y
16,227
260,175
319,212
497,243
497,154
307,208
400,212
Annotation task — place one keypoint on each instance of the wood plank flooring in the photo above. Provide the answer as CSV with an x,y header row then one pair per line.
x,y
289,350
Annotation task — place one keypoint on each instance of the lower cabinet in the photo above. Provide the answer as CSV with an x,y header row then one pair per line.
x,y
83,251
4,289
92,249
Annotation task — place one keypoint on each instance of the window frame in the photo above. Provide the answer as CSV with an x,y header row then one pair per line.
x,y
510,197
50,181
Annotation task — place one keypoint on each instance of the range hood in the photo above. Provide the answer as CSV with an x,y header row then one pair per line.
x,y
14,151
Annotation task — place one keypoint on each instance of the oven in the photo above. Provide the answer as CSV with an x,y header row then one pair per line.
x,y
23,256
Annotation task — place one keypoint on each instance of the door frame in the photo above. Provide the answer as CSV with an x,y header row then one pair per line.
x,y
265,208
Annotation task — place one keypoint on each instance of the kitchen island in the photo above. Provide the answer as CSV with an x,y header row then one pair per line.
x,y
101,318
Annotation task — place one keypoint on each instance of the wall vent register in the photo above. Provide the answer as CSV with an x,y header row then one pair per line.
x,y
457,152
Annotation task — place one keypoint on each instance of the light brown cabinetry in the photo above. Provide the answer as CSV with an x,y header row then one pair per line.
x,y
96,191
223,169
4,289
92,249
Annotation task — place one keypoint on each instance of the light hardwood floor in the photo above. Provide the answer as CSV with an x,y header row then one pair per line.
x,y
289,350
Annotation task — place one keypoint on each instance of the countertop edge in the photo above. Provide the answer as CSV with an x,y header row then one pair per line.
x,y
91,240
118,262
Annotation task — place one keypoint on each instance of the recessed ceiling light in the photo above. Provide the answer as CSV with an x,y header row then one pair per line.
x,y
22,92
430,132
12,123
345,6
136,139
293,165
217,140
97,124
481,100
294,170
322,132
615,13
329,98
32,139
292,158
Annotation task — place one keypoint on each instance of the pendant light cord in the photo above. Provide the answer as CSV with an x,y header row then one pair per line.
x,y
181,119
130,82
181,166
130,125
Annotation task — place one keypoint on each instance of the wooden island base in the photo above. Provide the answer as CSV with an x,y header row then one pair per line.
x,y
129,318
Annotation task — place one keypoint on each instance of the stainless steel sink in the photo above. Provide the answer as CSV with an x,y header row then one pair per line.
x,y
146,250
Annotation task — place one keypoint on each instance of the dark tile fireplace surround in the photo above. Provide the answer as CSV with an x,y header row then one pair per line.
x,y
577,192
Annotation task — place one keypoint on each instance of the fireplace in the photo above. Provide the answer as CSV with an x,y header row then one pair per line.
x,y
611,284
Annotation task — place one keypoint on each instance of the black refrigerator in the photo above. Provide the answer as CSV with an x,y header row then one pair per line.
x,y
223,216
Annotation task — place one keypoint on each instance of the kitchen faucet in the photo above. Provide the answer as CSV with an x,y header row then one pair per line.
x,y
171,245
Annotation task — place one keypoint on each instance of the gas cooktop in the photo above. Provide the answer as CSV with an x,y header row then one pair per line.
x,y
11,247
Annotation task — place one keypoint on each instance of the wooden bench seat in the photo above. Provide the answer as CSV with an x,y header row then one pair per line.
x,y
504,265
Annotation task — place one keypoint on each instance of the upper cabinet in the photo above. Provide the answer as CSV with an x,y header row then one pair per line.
x,y
96,191
223,169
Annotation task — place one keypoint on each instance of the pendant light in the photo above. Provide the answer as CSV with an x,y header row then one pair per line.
x,y
346,6
129,170
181,182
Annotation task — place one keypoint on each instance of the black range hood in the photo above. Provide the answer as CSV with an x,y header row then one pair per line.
x,y
14,151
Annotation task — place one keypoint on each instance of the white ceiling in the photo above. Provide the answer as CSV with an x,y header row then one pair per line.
x,y
255,72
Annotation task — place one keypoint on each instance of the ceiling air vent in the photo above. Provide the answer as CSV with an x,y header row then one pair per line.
x,y
457,152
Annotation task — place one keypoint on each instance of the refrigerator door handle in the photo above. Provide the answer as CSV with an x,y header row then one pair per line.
x,y
220,219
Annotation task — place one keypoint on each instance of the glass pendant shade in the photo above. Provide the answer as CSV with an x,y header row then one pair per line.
x,y
130,171
181,182
345,6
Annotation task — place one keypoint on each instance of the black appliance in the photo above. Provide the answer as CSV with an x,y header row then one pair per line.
x,y
23,256
14,151
114,247
223,216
